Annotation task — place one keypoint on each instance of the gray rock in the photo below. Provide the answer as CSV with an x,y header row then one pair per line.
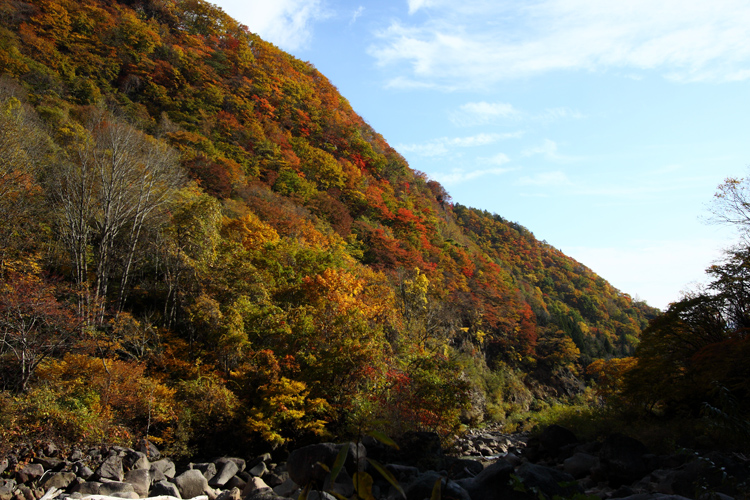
x,y
286,489
227,471
233,494
191,483
253,485
238,461
207,469
87,488
164,487
115,487
303,467
149,449
258,470
493,483
422,488
59,480
111,469
29,473
162,469
272,479
136,460
236,482
82,470
547,480
51,464
140,479
555,437
580,465
622,459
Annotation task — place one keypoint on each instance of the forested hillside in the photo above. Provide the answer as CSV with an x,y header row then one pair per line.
x,y
201,241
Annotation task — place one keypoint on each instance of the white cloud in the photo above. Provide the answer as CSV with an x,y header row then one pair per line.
x,y
286,23
555,178
484,113
441,146
686,40
457,176
356,15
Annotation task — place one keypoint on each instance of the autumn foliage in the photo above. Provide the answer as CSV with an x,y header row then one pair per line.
x,y
185,206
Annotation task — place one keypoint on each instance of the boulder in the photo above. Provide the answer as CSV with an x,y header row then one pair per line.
x,y
135,460
555,437
253,485
303,467
162,469
551,482
111,468
259,470
422,487
493,483
207,469
227,471
59,480
580,464
287,489
233,494
115,488
149,449
622,459
87,488
30,472
164,487
191,483
140,479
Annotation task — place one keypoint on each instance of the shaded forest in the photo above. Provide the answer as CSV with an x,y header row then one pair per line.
x,y
203,243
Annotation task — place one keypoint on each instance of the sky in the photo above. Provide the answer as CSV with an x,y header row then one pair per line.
x,y
604,127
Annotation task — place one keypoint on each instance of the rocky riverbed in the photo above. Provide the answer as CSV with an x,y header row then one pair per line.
x,y
482,465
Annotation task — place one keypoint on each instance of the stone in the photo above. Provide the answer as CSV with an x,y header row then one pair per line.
x,y
236,482
191,483
622,459
303,467
254,484
51,464
82,470
422,488
233,494
136,460
75,455
140,479
162,469
111,488
164,487
111,469
207,469
149,449
240,463
287,489
87,488
3,465
493,483
258,470
580,464
59,480
547,480
227,471
30,472
555,437
272,479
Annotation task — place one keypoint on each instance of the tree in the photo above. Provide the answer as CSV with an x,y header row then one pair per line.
x,y
116,184
33,324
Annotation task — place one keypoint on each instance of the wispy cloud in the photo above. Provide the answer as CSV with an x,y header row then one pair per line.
x,y
485,113
356,15
556,178
443,145
286,23
457,176
549,150
685,40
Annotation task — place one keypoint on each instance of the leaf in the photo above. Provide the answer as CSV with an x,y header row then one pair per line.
x,y
363,485
303,494
324,467
338,464
437,490
387,475
383,438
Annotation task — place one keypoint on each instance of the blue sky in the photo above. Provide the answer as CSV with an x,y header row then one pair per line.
x,y
603,127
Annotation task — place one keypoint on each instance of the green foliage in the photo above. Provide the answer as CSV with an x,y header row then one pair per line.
x,y
207,215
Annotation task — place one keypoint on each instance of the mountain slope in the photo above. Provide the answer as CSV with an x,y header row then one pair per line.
x,y
283,254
